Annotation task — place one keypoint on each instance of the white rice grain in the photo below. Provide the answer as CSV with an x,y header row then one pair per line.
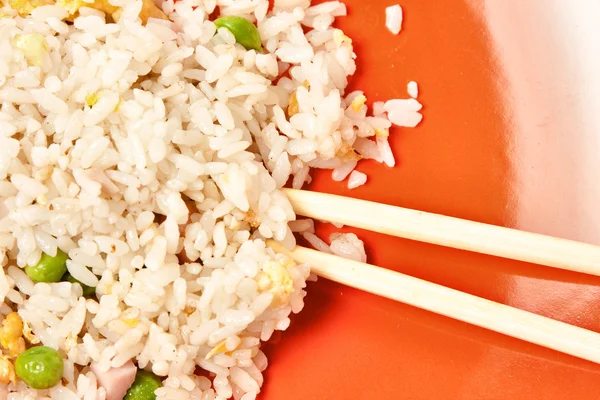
x,y
413,89
393,19
356,179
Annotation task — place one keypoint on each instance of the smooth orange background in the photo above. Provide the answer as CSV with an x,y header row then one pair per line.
x,y
503,142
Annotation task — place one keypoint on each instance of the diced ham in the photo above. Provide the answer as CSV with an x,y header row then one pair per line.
x,y
116,381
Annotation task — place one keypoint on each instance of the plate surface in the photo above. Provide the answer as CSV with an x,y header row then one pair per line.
x,y
511,135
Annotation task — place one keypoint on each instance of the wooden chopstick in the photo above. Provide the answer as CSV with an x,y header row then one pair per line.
x,y
452,303
448,231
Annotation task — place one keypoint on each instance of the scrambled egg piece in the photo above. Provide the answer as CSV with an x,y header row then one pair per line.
x,y
3,14
70,342
41,200
252,219
235,224
339,38
7,371
218,349
91,99
358,102
276,279
131,322
72,6
149,9
346,153
12,326
293,107
25,7
382,132
33,46
28,334
118,106
11,334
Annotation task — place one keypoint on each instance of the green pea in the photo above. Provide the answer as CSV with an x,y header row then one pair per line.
x,y
88,291
48,269
143,387
39,367
245,32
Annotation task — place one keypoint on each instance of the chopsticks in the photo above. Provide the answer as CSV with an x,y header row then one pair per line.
x,y
448,231
452,303
456,233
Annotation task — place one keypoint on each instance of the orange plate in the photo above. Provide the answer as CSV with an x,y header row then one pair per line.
x,y
510,137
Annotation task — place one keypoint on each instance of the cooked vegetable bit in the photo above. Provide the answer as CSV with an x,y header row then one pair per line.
x,y
40,367
48,269
34,47
245,32
144,386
